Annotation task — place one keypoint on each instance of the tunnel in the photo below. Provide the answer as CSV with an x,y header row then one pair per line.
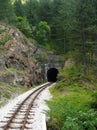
x,y
52,75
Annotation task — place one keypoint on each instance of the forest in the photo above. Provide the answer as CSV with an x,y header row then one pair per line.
x,y
59,25
68,28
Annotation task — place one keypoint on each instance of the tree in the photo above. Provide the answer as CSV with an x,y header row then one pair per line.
x,y
24,26
63,22
84,15
32,10
6,11
46,13
42,32
19,8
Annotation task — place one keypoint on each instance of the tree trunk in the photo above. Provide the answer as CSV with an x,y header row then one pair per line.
x,y
64,43
84,49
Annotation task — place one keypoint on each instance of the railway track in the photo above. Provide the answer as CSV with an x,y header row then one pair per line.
x,y
21,116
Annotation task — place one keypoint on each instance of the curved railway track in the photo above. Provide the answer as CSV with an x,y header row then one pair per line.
x,y
19,118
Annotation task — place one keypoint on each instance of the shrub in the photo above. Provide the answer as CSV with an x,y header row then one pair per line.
x,y
94,101
72,71
81,121
70,107
1,31
5,39
24,26
64,116
70,112
43,32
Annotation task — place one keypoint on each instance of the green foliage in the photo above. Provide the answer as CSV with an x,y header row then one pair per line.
x,y
94,101
7,95
32,11
74,70
71,25
41,57
7,92
64,22
43,32
49,46
24,26
18,7
1,31
83,120
71,112
5,39
10,70
74,103
6,12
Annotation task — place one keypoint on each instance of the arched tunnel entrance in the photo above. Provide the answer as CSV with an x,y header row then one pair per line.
x,y
52,75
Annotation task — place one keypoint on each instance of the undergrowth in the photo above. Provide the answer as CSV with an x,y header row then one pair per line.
x,y
5,39
74,102
8,92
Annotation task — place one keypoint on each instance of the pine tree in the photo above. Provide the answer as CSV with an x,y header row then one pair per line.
x,y
6,11
63,22
45,13
18,7
32,10
85,12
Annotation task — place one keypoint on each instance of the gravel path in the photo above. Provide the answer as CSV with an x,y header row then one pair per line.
x,y
39,108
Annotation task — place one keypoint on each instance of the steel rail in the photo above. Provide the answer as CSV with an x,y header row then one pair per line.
x,y
40,89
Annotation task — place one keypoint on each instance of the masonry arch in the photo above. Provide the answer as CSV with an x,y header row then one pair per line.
x,y
52,74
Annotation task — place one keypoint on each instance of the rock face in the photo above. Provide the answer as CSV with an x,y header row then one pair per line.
x,y
17,61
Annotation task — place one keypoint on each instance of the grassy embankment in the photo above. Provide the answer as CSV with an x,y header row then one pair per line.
x,y
74,102
8,92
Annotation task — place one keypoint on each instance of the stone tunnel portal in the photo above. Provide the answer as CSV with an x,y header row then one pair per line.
x,y
52,74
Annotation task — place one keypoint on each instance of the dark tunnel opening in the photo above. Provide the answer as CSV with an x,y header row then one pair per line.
x,y
52,75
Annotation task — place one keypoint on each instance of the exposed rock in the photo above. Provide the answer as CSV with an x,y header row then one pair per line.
x,y
17,53
8,78
20,56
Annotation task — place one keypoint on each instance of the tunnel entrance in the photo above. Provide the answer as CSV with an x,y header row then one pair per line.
x,y
52,75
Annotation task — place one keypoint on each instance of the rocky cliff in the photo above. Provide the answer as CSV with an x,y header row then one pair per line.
x,y
17,58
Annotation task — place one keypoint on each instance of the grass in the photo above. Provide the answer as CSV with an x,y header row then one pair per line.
x,y
1,31
69,103
11,71
7,92
73,106
5,39
74,93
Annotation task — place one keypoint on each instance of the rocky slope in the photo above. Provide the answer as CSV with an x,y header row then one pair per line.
x,y
17,58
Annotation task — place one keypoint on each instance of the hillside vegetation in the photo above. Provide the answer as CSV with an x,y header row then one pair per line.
x,y
8,92
58,25
74,102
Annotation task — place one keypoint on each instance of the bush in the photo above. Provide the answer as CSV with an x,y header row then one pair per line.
x,y
71,115
81,121
70,108
42,32
72,71
94,101
24,26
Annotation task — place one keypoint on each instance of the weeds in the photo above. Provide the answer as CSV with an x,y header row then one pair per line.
x,y
5,39
74,103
